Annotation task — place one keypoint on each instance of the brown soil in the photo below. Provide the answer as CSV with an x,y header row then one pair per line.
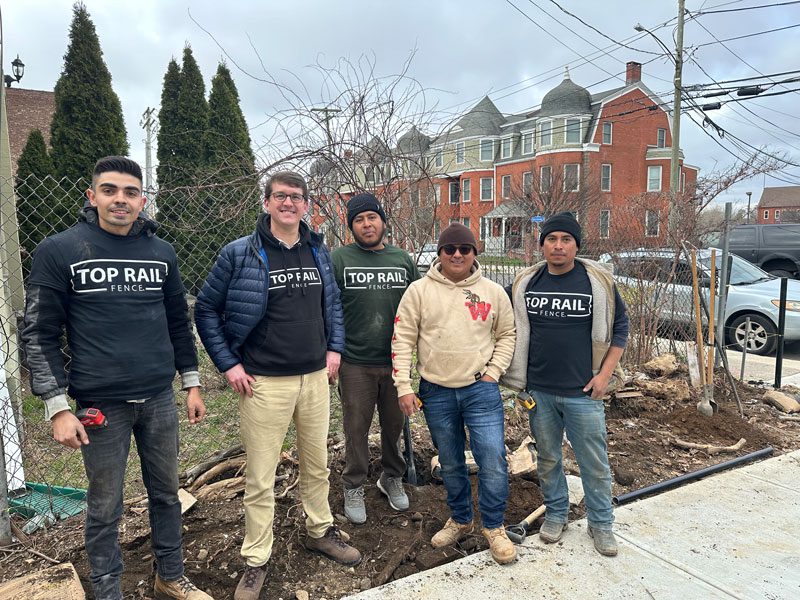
x,y
641,452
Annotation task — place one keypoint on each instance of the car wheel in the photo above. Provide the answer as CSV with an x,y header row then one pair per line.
x,y
762,338
781,273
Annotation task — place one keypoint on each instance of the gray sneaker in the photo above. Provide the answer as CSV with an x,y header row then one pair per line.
x,y
551,531
604,541
354,508
392,488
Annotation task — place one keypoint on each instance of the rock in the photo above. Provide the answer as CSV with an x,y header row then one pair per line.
x,y
781,401
203,554
662,366
523,459
301,595
677,390
365,583
416,517
623,476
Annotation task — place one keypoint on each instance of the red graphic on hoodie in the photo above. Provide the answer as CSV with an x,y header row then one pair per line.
x,y
477,308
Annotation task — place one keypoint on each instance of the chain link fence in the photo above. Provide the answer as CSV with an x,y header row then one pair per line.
x,y
200,220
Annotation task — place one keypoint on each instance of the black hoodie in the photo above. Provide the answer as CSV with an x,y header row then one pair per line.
x,y
290,339
124,308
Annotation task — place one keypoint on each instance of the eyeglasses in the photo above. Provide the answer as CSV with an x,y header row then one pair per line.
x,y
450,249
295,198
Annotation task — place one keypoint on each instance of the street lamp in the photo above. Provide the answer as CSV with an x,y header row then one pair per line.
x,y
748,206
18,68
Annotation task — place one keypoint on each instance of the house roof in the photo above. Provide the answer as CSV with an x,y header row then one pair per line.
x,y
27,110
413,142
482,119
567,98
780,197
513,208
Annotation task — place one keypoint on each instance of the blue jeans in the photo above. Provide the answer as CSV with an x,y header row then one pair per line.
x,y
154,425
479,407
585,422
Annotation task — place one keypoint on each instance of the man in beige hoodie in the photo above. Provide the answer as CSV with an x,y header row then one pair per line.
x,y
462,327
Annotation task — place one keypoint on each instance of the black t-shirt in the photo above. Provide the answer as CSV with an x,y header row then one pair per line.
x,y
560,315
117,328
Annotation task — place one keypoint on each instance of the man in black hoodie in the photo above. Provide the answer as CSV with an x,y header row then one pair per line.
x,y
270,317
116,289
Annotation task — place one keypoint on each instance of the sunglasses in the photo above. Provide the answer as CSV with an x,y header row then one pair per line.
x,y
450,249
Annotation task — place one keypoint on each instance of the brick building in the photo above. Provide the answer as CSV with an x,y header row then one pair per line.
x,y
605,156
27,110
779,205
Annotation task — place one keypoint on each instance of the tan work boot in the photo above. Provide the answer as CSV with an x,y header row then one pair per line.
x,y
502,549
451,533
250,584
333,545
180,589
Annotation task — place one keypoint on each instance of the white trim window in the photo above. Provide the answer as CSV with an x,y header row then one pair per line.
x,y
766,215
484,228
506,147
546,133
572,176
459,153
605,224
505,187
661,138
777,215
651,223
683,182
453,188
437,194
487,188
453,221
487,150
466,191
545,178
438,159
605,178
654,178
465,222
527,142
527,183
572,128
608,129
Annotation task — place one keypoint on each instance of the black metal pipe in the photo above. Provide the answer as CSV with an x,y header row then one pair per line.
x,y
687,477
781,330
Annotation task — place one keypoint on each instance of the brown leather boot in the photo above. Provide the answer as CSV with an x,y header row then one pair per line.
x,y
180,589
451,533
332,545
250,584
502,549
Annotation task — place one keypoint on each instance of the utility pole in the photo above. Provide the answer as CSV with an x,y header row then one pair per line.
x,y
748,206
148,122
675,165
327,113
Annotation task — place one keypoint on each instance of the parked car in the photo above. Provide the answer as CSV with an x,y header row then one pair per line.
x,y
426,256
752,293
774,248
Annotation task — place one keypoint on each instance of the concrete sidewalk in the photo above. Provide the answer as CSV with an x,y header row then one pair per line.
x,y
732,535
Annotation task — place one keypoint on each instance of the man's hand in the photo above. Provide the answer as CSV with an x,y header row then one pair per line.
x,y
239,380
68,431
195,407
488,378
333,360
408,404
598,384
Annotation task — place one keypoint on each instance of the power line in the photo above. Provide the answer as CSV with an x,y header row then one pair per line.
x,y
712,12
749,35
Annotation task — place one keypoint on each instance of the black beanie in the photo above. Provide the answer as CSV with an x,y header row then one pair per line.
x,y
563,221
362,203
456,235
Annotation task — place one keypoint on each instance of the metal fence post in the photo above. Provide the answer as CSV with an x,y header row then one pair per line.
x,y
781,329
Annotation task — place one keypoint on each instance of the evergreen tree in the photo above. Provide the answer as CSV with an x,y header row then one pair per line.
x,y
182,202
40,211
88,122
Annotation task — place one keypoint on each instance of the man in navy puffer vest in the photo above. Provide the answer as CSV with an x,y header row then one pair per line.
x,y
270,317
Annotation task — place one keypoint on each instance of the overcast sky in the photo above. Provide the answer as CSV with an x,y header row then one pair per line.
x,y
512,50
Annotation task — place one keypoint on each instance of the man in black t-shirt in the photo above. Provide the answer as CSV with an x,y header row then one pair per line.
x,y
116,289
571,331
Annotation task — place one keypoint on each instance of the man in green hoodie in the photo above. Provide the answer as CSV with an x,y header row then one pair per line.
x,y
372,276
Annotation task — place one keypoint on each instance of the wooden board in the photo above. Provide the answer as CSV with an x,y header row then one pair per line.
x,y
60,581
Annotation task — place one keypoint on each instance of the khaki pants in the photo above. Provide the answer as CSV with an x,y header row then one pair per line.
x,y
265,419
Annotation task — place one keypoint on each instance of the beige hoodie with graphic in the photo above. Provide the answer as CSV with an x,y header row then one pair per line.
x,y
461,331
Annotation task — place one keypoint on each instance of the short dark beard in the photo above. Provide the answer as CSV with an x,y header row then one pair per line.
x,y
377,243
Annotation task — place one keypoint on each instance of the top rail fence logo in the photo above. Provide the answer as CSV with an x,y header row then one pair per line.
x,y
113,275
374,278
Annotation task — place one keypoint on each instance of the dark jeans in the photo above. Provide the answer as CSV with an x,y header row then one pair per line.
x,y
361,388
154,425
479,407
